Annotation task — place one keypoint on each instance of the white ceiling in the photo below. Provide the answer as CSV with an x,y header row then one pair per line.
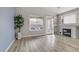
x,y
58,10
45,10
64,9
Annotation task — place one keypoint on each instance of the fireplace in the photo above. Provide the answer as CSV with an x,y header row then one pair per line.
x,y
66,32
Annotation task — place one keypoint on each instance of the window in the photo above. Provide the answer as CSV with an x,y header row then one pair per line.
x,y
35,24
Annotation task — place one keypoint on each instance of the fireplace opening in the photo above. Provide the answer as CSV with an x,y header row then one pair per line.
x,y
67,32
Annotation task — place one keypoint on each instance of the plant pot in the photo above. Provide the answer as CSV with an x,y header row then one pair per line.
x,y
19,35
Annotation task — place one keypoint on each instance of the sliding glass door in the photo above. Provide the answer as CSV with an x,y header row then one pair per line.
x,y
49,26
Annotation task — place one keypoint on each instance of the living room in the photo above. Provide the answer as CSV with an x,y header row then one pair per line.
x,y
40,28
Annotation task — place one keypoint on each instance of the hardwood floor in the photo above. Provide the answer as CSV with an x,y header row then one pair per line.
x,y
48,43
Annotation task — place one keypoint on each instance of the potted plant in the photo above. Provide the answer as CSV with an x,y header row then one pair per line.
x,y
19,22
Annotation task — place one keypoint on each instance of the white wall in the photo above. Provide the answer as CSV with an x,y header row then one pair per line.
x,y
70,19
77,18
6,27
27,13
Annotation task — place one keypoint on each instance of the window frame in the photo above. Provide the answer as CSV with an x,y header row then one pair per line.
x,y
42,18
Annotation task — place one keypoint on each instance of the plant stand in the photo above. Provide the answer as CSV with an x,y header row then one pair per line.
x,y
19,35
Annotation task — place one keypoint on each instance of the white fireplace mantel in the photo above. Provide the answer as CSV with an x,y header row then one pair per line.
x,y
73,25
74,29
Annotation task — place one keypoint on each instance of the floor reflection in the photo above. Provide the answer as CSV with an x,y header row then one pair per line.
x,y
47,43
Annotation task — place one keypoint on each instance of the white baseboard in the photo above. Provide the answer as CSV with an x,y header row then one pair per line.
x,y
35,35
9,46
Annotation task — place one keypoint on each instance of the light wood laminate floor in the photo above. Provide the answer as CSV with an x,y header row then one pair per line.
x,y
48,43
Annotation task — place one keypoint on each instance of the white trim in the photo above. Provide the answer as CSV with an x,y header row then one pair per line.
x,y
9,46
35,35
